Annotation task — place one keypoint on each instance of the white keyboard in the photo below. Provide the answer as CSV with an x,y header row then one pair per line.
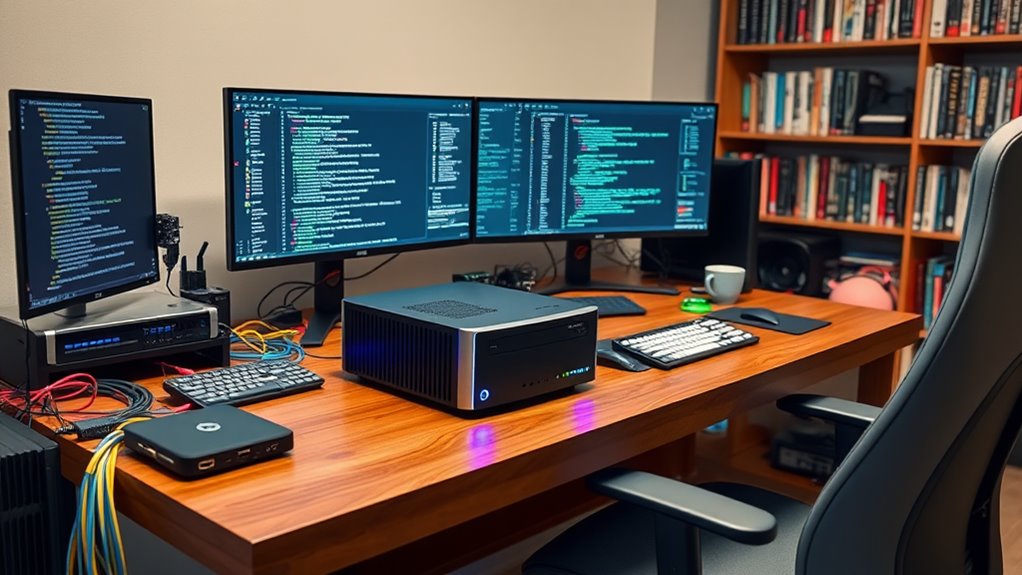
x,y
673,345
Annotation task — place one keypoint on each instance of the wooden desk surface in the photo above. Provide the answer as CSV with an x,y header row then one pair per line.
x,y
371,472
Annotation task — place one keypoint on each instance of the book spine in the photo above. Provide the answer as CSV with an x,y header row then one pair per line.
x,y
917,204
977,16
939,97
800,185
954,19
987,19
954,89
824,188
813,187
870,20
964,111
743,22
826,95
1009,93
982,95
950,197
938,208
804,24
834,189
837,103
895,17
924,121
929,199
973,84
966,26
859,21
937,18
962,203
1003,15
838,22
874,203
755,19
815,104
1002,91
780,100
781,25
851,98
928,295
764,186
791,103
848,25
852,196
819,20
881,19
896,197
990,113
1016,106
775,172
769,110
1015,20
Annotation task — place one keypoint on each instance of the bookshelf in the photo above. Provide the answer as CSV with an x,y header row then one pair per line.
x,y
735,62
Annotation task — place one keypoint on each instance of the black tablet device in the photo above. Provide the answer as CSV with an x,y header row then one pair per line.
x,y
206,441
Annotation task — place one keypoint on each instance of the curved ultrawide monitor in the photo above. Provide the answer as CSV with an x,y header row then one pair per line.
x,y
560,169
315,176
84,197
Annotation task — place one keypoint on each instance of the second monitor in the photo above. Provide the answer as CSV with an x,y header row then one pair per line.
x,y
319,177
584,170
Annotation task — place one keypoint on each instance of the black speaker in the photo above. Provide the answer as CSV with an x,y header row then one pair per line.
x,y
795,262
733,223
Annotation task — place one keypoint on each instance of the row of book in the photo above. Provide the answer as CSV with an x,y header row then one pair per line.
x,y
967,102
942,196
954,18
828,188
818,102
932,278
824,21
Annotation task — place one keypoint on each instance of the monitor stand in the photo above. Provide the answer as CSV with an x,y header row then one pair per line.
x,y
326,307
578,274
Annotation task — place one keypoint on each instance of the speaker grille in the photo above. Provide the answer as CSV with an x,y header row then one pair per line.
x,y
413,357
32,498
450,308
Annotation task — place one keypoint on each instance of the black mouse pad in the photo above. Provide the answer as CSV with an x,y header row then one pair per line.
x,y
793,324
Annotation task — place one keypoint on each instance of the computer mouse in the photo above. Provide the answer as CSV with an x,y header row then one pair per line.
x,y
761,315
606,355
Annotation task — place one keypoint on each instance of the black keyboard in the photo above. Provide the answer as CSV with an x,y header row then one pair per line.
x,y
611,305
243,383
681,343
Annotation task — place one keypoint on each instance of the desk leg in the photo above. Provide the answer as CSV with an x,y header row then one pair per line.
x,y
877,380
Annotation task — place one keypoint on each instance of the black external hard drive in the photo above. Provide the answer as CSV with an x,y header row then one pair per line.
x,y
207,441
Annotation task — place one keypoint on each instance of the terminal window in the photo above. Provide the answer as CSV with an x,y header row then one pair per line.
x,y
86,183
329,173
562,168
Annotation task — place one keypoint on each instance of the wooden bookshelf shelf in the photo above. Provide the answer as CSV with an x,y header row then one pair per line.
x,y
830,140
975,144
901,45
1005,41
945,236
828,225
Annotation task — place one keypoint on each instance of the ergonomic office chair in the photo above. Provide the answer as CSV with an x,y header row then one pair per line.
x,y
918,490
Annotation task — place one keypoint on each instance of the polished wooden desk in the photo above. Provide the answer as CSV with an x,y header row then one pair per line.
x,y
371,472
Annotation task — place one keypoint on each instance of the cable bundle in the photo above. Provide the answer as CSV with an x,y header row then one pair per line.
x,y
95,547
88,424
262,341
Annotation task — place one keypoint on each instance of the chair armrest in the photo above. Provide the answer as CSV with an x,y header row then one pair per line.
x,y
692,505
839,411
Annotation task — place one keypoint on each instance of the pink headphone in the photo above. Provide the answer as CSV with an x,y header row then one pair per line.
x,y
871,286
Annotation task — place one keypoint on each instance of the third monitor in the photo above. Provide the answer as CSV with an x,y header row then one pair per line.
x,y
584,170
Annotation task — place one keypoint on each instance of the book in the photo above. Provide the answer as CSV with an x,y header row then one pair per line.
x,y
924,120
953,20
1015,19
966,25
743,21
917,206
937,19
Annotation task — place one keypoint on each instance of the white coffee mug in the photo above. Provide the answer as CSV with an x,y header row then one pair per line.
x,y
724,283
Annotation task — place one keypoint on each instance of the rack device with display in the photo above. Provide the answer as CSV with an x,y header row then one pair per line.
x,y
585,170
320,177
84,203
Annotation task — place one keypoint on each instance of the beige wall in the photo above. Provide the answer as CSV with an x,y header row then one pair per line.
x,y
181,54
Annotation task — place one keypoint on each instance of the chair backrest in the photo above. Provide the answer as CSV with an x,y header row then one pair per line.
x,y
919,491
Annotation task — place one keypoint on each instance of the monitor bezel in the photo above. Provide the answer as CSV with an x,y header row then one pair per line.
x,y
488,239
25,310
234,265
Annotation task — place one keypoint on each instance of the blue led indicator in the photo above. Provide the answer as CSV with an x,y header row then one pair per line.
x,y
484,394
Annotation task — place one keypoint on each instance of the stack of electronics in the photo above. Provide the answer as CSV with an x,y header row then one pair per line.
x,y
85,212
